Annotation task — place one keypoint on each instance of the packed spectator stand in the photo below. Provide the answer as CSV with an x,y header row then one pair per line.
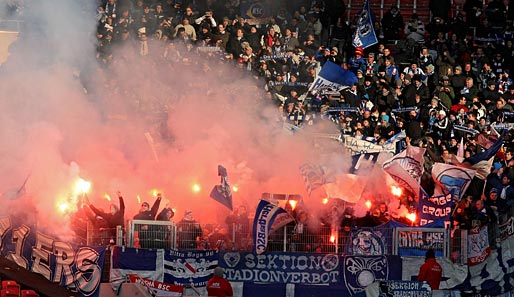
x,y
448,76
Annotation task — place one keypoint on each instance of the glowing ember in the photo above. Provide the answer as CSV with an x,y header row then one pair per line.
x,y
63,207
196,188
324,201
411,216
82,186
332,238
368,204
396,191
293,204
138,199
155,192
106,196
235,188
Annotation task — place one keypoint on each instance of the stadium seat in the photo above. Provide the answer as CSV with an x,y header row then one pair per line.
x,y
29,293
9,283
12,292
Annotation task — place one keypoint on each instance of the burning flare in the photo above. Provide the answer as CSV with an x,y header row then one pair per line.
x,y
196,188
324,201
235,188
396,191
411,216
107,197
293,204
368,204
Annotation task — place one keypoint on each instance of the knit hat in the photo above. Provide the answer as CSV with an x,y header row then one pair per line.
x,y
359,51
497,165
385,118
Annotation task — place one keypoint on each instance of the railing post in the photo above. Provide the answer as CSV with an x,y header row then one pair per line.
x,y
119,235
130,234
285,239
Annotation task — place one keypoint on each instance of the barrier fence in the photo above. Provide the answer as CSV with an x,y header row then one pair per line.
x,y
401,241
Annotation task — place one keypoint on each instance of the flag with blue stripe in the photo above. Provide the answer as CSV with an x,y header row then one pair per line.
x,y
264,217
333,77
364,35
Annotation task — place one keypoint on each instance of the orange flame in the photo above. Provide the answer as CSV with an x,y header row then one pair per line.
x,y
138,199
396,191
324,201
82,186
368,204
332,238
293,204
196,188
63,207
106,196
411,216
235,188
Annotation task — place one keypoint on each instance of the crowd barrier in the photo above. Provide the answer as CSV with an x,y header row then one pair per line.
x,y
386,239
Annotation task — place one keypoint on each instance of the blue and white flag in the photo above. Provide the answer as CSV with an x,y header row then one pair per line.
x,y
315,176
452,178
222,192
434,208
364,35
264,216
333,77
406,168
195,267
143,262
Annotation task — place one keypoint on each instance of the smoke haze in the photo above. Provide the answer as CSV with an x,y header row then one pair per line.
x,y
145,124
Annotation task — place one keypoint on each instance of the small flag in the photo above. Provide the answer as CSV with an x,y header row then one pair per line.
x,y
365,32
222,192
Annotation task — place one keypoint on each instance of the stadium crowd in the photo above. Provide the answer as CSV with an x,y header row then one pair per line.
x,y
441,81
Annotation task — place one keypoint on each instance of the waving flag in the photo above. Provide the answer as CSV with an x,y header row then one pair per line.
x,y
452,178
314,176
435,208
222,192
264,218
406,168
333,77
364,35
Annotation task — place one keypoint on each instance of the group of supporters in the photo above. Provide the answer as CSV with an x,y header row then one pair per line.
x,y
441,81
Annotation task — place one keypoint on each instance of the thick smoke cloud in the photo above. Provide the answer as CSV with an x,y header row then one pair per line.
x,y
142,124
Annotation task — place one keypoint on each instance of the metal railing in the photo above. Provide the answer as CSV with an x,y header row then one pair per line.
x,y
10,25
416,241
151,234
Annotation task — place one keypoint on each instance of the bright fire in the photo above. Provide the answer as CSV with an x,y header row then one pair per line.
x,y
155,192
368,204
196,188
396,191
235,188
63,207
82,187
138,199
293,204
411,216
332,238
324,201
106,196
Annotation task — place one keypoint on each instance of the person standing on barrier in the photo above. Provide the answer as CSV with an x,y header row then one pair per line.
x,y
218,286
431,271
148,214
116,216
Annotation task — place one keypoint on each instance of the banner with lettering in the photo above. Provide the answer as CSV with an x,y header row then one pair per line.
x,y
275,267
264,216
186,267
434,208
359,146
78,268
478,245
158,288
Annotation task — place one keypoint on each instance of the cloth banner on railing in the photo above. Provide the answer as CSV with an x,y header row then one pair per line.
x,y
478,245
61,262
157,288
186,267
